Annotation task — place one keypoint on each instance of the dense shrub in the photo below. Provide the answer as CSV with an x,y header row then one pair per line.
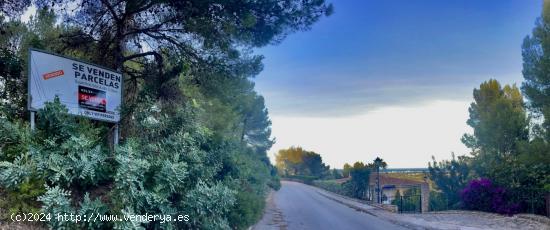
x,y
450,176
439,201
359,182
356,186
483,195
249,208
329,185
302,178
275,182
22,198
298,161
344,189
174,168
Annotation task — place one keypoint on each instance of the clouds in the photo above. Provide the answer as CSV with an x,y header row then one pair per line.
x,y
371,54
391,78
350,97
403,136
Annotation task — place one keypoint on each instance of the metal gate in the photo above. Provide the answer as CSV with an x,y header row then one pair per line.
x,y
406,199
409,204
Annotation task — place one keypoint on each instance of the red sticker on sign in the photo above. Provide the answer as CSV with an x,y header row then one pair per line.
x,y
53,74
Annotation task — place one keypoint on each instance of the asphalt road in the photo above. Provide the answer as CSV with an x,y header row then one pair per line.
x,y
298,206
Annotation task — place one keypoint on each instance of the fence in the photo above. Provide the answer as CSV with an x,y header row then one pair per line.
x,y
533,201
530,201
405,203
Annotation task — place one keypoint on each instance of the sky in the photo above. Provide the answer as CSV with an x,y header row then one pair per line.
x,y
391,78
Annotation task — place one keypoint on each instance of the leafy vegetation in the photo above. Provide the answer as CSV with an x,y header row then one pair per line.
x,y
450,176
359,179
346,170
409,201
194,132
334,186
483,195
504,145
296,161
509,168
439,201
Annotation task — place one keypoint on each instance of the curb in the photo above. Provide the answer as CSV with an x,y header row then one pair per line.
x,y
540,219
370,211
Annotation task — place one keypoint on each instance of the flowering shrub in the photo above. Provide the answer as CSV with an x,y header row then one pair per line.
x,y
483,195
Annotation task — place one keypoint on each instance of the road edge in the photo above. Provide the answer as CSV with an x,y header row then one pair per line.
x,y
373,210
270,213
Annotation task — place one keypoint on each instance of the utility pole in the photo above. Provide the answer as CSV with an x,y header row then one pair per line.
x,y
377,163
378,182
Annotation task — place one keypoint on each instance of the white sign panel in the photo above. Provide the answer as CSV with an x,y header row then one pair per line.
x,y
85,89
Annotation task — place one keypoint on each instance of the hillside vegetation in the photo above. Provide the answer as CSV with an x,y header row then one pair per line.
x,y
194,132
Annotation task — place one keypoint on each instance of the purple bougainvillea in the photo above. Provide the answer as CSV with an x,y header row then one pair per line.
x,y
483,195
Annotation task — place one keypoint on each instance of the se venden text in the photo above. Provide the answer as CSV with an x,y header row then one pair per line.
x,y
97,76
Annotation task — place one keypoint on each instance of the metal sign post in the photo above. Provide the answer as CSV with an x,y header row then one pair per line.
x,y
32,120
116,134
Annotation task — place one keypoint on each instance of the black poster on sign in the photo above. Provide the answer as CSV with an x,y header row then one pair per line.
x,y
92,99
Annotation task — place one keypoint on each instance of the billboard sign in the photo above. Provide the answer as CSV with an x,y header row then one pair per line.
x,y
85,89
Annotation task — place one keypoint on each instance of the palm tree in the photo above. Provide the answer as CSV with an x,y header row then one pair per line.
x,y
380,162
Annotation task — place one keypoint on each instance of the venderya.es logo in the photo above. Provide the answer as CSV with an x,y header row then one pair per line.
x,y
53,74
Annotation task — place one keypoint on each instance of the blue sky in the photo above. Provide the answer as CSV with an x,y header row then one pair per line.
x,y
378,53
373,59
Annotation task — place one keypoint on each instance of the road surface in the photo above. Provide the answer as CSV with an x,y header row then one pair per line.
x,y
299,206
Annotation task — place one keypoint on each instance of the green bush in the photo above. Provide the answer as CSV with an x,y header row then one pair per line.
x,y
174,168
438,201
275,182
302,178
345,189
22,199
409,201
248,211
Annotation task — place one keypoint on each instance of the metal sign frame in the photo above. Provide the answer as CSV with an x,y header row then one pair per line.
x,y
34,110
